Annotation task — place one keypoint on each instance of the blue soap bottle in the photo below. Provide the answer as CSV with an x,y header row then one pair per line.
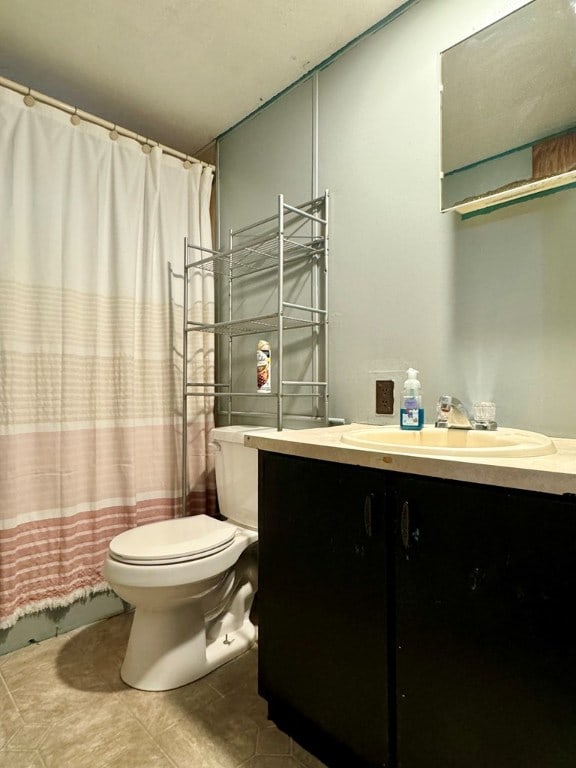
x,y
411,412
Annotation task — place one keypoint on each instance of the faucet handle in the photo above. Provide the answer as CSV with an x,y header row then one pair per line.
x,y
484,415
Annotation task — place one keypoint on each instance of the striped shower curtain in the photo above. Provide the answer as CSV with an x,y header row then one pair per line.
x,y
91,247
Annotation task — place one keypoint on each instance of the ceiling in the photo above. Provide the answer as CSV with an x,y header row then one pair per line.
x,y
179,72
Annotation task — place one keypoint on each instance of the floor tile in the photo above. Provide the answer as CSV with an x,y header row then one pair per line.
x,y
271,741
64,705
46,699
219,735
21,759
10,719
240,674
158,711
272,761
27,737
92,740
195,747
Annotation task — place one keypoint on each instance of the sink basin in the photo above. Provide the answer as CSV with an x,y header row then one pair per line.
x,y
503,443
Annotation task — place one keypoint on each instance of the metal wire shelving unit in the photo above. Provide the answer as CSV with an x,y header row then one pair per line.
x,y
296,238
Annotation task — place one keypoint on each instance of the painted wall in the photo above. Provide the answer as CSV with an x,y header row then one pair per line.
x,y
484,308
57,621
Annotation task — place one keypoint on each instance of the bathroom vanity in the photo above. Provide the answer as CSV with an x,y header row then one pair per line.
x,y
418,612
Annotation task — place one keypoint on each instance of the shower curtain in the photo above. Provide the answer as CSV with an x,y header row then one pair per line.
x,y
91,248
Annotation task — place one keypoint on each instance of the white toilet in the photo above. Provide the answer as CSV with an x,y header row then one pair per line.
x,y
192,580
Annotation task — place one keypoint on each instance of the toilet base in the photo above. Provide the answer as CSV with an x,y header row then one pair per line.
x,y
169,649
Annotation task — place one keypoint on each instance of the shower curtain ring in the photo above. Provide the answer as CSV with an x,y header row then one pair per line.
x,y
29,100
114,134
75,118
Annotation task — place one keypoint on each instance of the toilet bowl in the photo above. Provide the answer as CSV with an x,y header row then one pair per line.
x,y
192,580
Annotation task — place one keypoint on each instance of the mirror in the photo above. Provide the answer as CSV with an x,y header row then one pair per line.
x,y
509,109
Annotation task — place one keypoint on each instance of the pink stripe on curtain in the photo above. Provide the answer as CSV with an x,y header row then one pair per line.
x,y
46,561
90,350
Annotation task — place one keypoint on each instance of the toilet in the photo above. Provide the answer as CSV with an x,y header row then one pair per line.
x,y
192,580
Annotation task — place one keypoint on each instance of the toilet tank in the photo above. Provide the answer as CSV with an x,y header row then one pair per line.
x,y
236,474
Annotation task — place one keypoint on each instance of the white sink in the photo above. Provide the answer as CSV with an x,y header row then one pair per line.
x,y
504,442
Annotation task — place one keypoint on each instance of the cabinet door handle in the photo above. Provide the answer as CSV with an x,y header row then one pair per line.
x,y
405,525
368,514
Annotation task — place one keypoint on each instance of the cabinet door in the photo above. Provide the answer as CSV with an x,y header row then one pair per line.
x,y
322,607
486,642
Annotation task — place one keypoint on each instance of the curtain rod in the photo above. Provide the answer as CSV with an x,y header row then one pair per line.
x,y
89,118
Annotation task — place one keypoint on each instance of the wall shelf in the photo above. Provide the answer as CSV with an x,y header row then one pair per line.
x,y
531,188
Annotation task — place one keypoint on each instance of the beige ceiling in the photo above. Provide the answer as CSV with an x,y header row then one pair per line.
x,y
179,72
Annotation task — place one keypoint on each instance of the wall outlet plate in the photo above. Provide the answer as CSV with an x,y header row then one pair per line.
x,y
383,406
385,397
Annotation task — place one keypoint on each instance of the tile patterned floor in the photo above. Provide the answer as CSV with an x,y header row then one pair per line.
x,y
63,705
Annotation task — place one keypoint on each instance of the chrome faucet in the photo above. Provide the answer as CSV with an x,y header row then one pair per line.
x,y
452,414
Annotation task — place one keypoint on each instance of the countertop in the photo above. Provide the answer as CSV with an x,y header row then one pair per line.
x,y
554,473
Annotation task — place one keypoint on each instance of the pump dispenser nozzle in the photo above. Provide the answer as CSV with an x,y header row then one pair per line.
x,y
412,379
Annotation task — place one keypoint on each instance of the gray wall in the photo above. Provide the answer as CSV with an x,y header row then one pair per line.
x,y
484,308
51,622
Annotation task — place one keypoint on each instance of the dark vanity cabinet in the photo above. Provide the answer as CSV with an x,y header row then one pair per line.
x,y
416,623
486,629
324,567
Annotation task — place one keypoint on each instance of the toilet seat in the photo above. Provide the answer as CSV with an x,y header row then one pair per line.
x,y
172,541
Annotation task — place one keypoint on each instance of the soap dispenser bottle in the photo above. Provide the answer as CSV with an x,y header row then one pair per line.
x,y
411,412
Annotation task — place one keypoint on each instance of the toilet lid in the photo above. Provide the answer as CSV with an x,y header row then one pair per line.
x,y
172,541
